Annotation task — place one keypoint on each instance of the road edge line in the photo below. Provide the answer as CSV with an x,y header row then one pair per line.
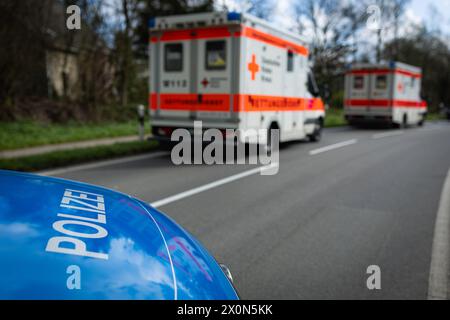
x,y
440,264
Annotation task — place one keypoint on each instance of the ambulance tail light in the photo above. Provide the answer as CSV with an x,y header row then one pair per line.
x,y
164,131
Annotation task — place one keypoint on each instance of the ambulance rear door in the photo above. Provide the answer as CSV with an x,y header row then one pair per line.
x,y
174,82
358,91
214,63
380,91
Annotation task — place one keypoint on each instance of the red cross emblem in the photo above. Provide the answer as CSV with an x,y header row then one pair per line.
x,y
400,87
253,67
205,82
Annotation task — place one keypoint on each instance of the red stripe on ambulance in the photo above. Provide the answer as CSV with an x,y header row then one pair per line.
x,y
223,32
275,41
384,103
242,102
198,33
385,71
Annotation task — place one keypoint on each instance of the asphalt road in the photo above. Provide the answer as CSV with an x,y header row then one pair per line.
x,y
310,231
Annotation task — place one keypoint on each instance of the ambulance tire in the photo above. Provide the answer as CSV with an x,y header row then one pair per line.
x,y
268,145
317,134
404,123
422,121
165,146
396,125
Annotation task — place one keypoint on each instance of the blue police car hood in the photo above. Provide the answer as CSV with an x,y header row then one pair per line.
x,y
61,239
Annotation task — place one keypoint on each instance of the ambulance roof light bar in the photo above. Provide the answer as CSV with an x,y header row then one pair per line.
x,y
367,65
392,65
233,16
193,20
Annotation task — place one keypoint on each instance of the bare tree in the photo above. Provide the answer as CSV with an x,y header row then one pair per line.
x,y
261,8
22,39
123,46
391,12
428,50
331,26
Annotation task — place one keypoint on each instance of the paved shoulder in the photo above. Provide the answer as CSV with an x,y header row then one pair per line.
x,y
440,264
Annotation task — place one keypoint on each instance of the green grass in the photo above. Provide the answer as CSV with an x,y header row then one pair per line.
x,y
334,118
435,116
70,157
23,134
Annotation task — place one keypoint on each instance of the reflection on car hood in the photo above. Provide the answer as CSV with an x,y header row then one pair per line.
x,y
61,239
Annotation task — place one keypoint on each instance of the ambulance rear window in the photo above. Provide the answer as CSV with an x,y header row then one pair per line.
x,y
290,61
381,82
173,57
358,82
216,58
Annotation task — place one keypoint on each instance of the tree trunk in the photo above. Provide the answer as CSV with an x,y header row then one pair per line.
x,y
378,45
126,54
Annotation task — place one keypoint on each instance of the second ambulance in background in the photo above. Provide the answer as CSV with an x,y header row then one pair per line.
x,y
387,92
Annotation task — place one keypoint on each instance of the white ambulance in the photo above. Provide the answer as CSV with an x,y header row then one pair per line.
x,y
387,92
231,70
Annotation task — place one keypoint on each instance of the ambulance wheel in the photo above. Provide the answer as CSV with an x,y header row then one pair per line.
x,y
165,146
404,123
317,133
268,145
422,121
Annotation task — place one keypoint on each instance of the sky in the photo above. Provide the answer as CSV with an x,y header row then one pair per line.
x,y
417,12
433,14
421,9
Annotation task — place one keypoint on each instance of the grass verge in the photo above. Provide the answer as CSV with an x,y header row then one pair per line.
x,y
70,157
22,134
435,116
334,118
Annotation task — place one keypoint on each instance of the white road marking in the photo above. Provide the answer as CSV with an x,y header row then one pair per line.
x,y
439,269
387,134
333,146
211,185
101,164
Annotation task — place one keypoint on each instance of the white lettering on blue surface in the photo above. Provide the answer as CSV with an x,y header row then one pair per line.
x,y
70,242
